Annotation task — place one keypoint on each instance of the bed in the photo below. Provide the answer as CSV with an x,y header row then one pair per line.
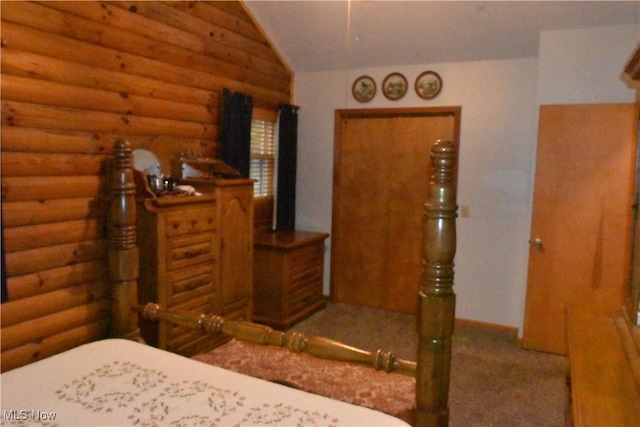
x,y
117,382
122,381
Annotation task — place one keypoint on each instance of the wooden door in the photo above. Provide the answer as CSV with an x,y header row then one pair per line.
x,y
580,230
381,173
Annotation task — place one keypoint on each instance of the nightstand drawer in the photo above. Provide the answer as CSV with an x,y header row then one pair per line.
x,y
302,256
303,299
312,274
190,221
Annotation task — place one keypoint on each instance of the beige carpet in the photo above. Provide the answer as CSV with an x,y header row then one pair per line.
x,y
494,382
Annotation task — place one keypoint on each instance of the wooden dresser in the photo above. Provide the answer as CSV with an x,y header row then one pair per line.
x,y
288,270
604,354
604,350
195,254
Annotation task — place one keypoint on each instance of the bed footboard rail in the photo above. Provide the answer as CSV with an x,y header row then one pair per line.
x,y
295,342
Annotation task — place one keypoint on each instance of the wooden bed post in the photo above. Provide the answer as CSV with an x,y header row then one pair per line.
x,y
436,312
123,251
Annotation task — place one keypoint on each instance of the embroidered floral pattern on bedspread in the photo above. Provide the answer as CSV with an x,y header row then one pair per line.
x,y
148,397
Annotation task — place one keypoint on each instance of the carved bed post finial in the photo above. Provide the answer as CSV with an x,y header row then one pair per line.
x,y
123,250
436,312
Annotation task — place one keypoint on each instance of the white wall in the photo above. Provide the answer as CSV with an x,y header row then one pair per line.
x,y
499,101
584,66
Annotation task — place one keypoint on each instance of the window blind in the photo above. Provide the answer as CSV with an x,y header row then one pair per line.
x,y
263,154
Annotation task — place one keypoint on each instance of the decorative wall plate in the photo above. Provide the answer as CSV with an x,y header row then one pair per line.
x,y
364,89
394,86
428,85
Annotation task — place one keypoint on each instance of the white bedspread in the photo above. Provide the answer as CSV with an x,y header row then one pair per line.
x,y
118,382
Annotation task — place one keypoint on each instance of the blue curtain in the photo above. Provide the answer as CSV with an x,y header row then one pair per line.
x,y
287,164
235,131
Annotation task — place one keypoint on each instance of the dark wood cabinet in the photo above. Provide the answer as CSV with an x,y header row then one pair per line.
x,y
288,275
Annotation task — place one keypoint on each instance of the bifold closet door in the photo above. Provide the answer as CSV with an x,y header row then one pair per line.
x,y
382,169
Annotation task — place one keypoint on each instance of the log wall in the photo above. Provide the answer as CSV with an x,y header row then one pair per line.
x,y
75,77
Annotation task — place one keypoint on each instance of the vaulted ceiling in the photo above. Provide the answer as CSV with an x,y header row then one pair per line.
x,y
324,35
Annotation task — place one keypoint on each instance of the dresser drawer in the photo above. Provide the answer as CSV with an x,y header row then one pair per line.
x,y
201,304
186,341
190,221
186,251
185,284
196,344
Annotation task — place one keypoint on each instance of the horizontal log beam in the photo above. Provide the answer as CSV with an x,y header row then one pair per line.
x,y
22,262
66,340
29,140
38,329
39,116
54,18
53,279
19,188
34,212
52,164
52,234
296,342
23,89
43,67
16,36
22,310
212,12
172,16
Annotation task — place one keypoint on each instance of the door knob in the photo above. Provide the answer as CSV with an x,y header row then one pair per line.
x,y
538,244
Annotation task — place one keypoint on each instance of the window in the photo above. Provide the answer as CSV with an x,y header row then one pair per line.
x,y
263,156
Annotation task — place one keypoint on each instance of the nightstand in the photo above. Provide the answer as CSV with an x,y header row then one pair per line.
x,y
287,277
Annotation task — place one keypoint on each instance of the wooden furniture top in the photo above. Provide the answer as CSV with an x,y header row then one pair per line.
x,y
602,353
287,239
